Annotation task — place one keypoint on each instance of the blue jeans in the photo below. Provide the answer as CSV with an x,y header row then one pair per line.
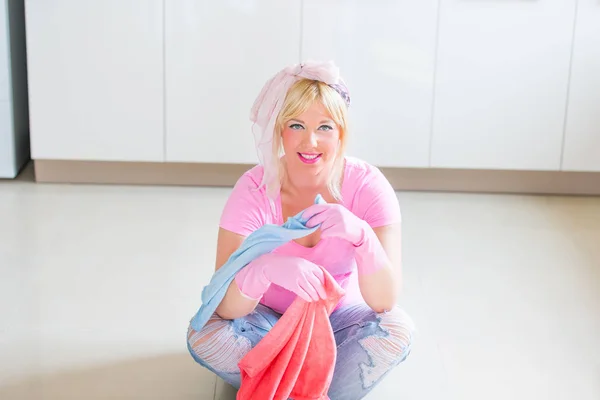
x,y
369,345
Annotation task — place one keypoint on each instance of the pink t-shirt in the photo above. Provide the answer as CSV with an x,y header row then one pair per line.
x,y
365,191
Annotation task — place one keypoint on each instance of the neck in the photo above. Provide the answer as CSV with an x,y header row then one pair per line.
x,y
305,186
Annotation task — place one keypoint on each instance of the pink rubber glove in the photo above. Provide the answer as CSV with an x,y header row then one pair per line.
x,y
337,221
295,274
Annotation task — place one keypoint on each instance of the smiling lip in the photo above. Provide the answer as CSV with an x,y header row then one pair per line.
x,y
309,158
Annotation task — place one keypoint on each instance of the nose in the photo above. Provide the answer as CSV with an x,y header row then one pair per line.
x,y
311,138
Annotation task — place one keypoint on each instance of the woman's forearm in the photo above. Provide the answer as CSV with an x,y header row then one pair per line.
x,y
379,289
235,304
379,267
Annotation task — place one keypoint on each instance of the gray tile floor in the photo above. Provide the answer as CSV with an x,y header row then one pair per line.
x,y
97,284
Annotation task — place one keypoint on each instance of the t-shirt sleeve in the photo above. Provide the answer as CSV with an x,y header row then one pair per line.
x,y
377,202
245,209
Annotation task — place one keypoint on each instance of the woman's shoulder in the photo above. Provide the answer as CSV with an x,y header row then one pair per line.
x,y
252,177
247,207
359,172
249,188
369,194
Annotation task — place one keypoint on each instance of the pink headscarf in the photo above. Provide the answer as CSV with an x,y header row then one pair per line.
x,y
268,104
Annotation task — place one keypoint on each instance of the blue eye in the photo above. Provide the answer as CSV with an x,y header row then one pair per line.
x,y
296,126
326,127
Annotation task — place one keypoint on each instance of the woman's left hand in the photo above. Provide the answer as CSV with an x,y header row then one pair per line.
x,y
336,221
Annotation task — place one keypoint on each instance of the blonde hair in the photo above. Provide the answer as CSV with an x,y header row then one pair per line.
x,y
301,95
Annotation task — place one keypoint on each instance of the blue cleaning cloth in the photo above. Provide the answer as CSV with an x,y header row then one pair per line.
x,y
264,240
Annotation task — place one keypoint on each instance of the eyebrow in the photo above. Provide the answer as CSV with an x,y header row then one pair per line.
x,y
325,121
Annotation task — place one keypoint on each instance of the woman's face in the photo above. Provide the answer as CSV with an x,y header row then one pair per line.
x,y
310,140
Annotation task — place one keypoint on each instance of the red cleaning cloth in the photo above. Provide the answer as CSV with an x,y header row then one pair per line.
x,y
297,357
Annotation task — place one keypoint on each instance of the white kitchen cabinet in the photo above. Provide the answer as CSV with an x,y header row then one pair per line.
x,y
386,54
582,136
501,84
14,120
96,79
219,54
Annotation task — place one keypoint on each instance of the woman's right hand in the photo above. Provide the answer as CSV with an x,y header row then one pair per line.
x,y
295,274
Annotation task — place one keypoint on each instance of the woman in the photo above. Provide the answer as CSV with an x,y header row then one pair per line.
x,y
300,120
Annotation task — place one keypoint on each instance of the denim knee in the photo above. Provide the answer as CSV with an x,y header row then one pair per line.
x,y
399,329
221,344
387,342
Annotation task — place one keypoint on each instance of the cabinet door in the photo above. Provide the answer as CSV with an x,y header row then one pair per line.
x,y
96,79
501,84
219,54
582,137
7,143
385,51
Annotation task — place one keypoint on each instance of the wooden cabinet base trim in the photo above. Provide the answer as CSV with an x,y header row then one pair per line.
x,y
425,179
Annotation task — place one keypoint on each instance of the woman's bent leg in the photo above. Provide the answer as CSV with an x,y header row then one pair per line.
x,y
221,344
369,345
